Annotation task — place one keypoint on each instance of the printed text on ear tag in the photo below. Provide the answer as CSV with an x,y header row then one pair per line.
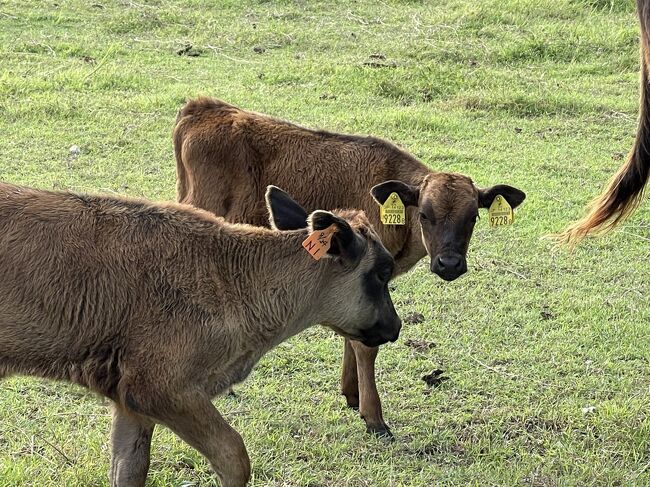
x,y
500,213
319,241
392,211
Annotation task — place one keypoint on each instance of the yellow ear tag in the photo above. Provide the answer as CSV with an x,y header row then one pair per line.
x,y
318,242
392,211
500,213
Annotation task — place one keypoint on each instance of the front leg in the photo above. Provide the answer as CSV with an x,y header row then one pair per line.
x,y
130,448
349,377
196,421
369,402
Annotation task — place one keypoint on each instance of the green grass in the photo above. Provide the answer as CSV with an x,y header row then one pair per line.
x,y
541,94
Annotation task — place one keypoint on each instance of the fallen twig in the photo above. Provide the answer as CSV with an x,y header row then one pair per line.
x,y
216,50
494,369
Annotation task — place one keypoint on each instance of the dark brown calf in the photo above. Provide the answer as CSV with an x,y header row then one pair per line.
x,y
161,307
226,156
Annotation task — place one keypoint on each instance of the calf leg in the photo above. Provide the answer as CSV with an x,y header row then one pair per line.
x,y
349,377
369,402
196,421
131,442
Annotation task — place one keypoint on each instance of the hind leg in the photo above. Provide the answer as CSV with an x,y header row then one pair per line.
x,y
131,443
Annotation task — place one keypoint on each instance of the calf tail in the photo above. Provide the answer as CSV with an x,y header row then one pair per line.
x,y
625,190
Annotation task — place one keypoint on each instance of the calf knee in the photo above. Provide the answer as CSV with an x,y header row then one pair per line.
x,y
235,468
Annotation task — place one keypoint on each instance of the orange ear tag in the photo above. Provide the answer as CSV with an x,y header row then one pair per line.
x,y
319,241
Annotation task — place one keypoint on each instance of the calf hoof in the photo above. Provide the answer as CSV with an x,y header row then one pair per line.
x,y
352,401
381,432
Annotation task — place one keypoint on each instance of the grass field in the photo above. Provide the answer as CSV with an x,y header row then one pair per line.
x,y
547,353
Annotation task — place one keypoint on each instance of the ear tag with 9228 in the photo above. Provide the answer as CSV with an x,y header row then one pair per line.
x,y
392,211
500,213
319,241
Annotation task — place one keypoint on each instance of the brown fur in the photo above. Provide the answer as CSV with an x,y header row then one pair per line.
x,y
226,156
625,190
159,307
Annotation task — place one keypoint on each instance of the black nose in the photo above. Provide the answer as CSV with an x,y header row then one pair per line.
x,y
449,266
382,333
449,262
397,329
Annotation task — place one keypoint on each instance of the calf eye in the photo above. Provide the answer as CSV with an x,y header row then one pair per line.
x,y
423,216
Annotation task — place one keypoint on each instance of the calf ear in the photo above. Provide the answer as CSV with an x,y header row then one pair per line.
x,y
407,193
345,241
513,196
284,212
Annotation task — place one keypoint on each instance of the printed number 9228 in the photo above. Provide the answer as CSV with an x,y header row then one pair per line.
x,y
496,221
393,219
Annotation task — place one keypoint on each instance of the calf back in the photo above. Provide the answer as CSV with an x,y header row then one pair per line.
x,y
226,157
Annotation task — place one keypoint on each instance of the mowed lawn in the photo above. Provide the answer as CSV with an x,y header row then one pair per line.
x,y
547,353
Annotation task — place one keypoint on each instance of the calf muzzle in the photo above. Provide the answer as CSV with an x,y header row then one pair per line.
x,y
449,266
382,333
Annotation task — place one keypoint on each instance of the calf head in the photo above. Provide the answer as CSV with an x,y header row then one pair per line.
x,y
354,298
448,207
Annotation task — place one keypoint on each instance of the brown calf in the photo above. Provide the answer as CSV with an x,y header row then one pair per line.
x,y
226,156
625,190
161,307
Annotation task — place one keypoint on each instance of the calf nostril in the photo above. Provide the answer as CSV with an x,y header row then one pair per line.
x,y
449,262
